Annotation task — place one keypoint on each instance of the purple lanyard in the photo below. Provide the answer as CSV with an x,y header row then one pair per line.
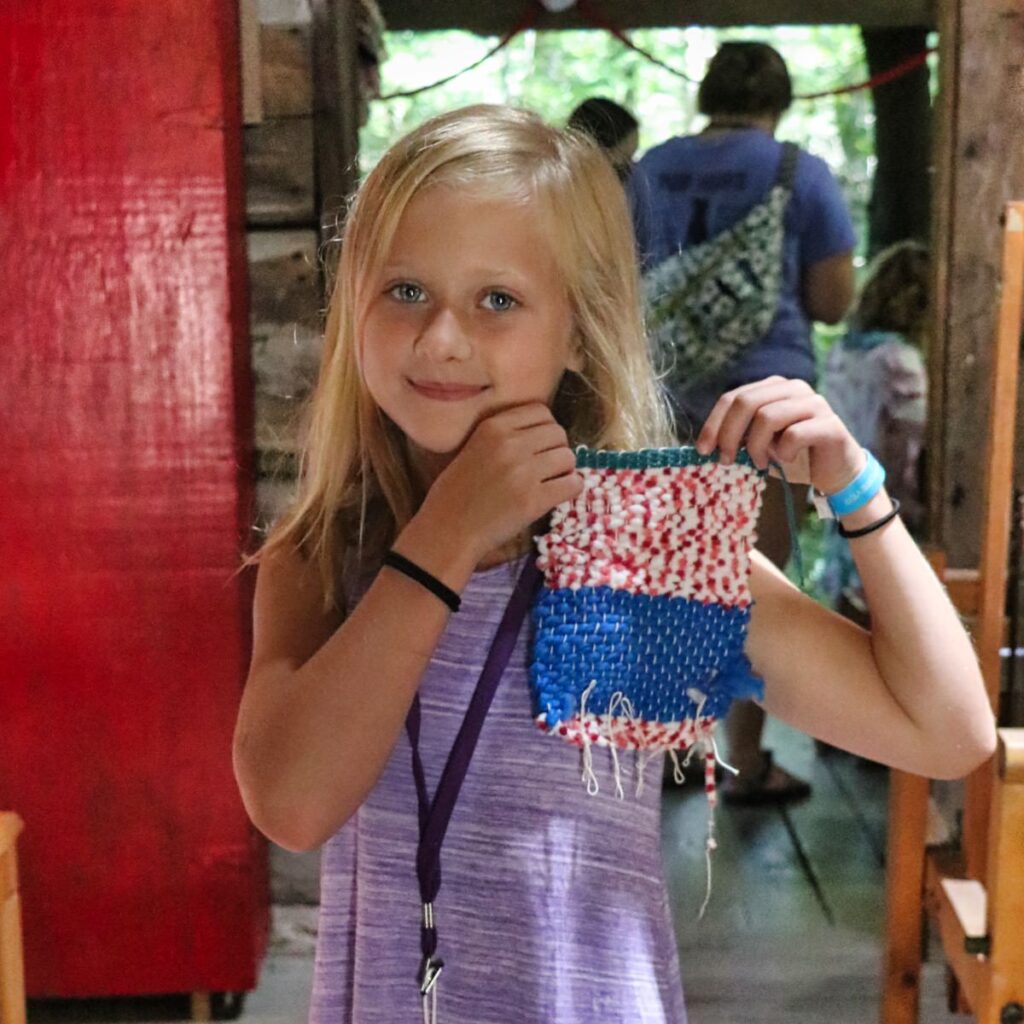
x,y
435,815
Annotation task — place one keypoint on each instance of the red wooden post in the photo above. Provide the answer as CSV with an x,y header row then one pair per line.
x,y
125,473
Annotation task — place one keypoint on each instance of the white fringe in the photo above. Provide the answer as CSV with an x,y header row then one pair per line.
x,y
703,740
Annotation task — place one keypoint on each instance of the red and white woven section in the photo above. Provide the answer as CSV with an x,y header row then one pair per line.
x,y
681,532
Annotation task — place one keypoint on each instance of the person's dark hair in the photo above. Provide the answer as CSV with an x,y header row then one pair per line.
x,y
745,78
604,121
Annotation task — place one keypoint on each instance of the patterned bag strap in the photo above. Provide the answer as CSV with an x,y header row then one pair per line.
x,y
787,166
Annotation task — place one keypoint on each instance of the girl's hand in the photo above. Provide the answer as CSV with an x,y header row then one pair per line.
x,y
780,420
515,467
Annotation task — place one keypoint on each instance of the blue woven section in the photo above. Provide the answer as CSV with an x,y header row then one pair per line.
x,y
651,649
653,458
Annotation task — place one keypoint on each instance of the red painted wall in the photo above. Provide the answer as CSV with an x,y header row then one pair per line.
x,y
124,494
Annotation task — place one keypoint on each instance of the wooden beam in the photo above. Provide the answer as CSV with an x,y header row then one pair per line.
x,y
970,968
12,957
249,31
1005,913
1010,760
967,898
904,891
336,105
963,588
495,19
978,171
998,487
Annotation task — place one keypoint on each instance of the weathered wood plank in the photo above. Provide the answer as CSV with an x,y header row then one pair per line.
x,y
337,106
758,883
828,976
758,880
835,844
983,121
284,279
865,787
279,172
286,70
494,19
278,422
249,32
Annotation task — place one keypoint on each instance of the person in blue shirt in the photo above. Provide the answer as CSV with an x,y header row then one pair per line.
x,y
686,191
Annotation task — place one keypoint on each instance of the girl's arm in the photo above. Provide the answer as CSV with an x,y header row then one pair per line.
x,y
325,700
909,693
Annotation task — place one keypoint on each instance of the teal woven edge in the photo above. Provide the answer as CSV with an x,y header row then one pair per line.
x,y
653,458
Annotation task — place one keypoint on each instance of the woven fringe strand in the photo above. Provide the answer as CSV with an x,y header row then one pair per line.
x,y
619,706
710,760
586,755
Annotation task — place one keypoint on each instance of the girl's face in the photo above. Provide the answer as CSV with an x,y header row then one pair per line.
x,y
469,316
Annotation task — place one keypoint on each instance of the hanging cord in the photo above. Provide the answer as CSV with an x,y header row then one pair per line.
x,y
529,16
598,20
534,9
904,67
794,539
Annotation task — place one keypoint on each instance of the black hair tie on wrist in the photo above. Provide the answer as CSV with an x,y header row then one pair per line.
x,y
871,527
424,578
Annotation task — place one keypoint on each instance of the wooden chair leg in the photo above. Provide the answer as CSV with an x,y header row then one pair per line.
x,y
1005,889
12,969
202,1010
904,904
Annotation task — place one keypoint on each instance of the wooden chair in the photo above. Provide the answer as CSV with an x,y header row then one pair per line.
x,y
12,967
976,898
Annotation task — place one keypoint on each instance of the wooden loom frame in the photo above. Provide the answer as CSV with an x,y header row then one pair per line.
x,y
976,899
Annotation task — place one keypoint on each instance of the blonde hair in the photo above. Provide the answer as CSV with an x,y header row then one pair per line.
x,y
356,489
895,295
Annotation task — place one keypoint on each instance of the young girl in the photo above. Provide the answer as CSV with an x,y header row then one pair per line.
x,y
486,321
875,379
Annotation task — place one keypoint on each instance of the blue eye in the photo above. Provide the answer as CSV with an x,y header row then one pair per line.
x,y
500,301
406,291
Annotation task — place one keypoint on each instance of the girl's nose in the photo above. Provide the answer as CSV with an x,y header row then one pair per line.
x,y
443,337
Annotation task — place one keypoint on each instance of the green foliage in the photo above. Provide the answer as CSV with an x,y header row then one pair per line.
x,y
551,72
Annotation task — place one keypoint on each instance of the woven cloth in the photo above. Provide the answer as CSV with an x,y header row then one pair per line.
x,y
641,623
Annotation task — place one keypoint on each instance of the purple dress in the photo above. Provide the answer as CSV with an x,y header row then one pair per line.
x,y
553,907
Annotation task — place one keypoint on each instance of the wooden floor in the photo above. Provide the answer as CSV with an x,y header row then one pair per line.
x,y
793,928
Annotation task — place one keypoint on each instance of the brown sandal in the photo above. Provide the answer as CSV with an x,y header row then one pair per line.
x,y
771,785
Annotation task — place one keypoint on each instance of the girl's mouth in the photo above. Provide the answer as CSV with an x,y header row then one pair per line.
x,y
443,392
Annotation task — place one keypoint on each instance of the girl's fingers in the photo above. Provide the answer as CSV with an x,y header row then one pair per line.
x,y
555,462
804,435
731,417
520,417
544,437
771,421
562,488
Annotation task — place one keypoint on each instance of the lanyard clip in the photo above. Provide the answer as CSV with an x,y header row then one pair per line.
x,y
430,971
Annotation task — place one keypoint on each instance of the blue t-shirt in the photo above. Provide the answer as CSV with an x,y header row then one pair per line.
x,y
693,187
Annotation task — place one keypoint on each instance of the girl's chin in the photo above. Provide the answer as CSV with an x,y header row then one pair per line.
x,y
430,454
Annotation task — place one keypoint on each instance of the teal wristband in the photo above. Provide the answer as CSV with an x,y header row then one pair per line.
x,y
859,491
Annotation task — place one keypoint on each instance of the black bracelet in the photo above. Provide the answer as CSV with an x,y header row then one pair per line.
x,y
421,576
871,527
